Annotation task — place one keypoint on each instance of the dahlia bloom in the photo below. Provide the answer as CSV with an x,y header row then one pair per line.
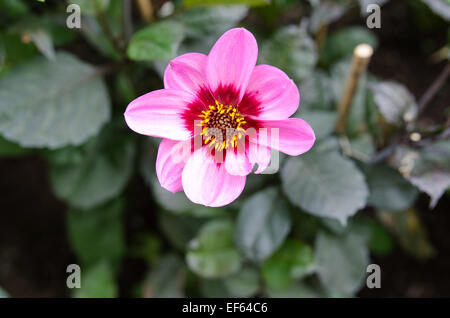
x,y
227,112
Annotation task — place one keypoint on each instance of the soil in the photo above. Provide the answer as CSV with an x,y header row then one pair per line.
x,y
404,276
34,251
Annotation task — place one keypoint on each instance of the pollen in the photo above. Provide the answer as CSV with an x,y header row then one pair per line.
x,y
222,121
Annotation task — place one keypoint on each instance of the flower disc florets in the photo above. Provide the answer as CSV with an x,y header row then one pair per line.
x,y
222,126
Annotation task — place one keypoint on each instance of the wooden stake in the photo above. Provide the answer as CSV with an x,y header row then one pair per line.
x,y
146,9
361,58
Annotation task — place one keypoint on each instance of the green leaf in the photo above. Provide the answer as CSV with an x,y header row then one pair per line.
x,y
315,92
321,121
2,54
211,21
380,243
427,168
37,29
10,149
293,260
342,43
440,7
298,56
13,8
395,102
3,293
214,288
434,183
179,230
245,283
212,253
97,282
159,41
341,262
65,156
43,41
91,7
146,246
388,189
305,225
100,175
125,88
166,279
251,3
67,108
330,144
359,224
362,147
325,12
15,51
95,35
298,290
57,28
262,224
324,184
97,234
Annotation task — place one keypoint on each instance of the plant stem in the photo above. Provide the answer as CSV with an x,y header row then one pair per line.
x,y
127,19
434,88
383,154
107,30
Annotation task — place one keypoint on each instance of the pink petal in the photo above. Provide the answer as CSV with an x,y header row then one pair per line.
x,y
186,72
259,154
292,136
231,60
277,93
170,163
159,114
208,183
237,163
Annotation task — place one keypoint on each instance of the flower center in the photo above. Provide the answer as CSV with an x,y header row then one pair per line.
x,y
222,126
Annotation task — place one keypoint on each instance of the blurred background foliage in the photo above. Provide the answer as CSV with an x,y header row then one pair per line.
x,y
309,230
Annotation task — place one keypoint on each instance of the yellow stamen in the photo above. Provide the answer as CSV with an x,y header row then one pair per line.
x,y
222,117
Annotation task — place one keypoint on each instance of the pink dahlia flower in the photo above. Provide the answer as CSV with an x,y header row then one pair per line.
x,y
228,114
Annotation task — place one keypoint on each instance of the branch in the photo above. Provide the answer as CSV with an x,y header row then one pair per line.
x,y
107,30
434,88
127,19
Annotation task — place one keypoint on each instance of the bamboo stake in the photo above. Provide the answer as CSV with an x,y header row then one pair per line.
x,y
361,58
146,9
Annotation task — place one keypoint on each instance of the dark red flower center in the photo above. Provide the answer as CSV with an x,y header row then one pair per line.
x,y
222,119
